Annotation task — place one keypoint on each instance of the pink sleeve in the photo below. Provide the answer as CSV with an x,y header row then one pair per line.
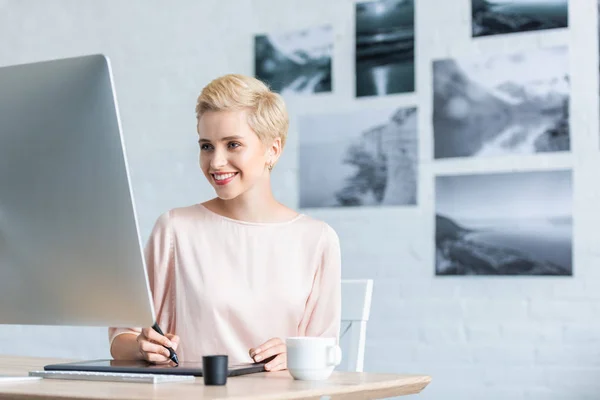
x,y
158,254
323,309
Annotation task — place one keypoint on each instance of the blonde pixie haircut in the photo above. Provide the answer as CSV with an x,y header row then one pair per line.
x,y
267,114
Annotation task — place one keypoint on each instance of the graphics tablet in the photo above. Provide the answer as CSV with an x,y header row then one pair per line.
x,y
144,367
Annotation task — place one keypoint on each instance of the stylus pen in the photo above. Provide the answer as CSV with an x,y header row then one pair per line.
x,y
172,354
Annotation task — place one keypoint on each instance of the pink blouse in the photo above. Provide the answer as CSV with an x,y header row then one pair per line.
x,y
224,286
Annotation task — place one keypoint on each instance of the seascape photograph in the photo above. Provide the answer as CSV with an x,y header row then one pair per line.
x,y
496,17
365,158
501,105
517,223
297,62
385,44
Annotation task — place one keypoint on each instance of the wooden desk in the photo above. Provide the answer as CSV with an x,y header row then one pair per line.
x,y
271,386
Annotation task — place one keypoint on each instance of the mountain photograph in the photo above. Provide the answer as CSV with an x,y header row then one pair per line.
x,y
296,62
503,104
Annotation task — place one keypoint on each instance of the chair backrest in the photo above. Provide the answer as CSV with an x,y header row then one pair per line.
x,y
356,306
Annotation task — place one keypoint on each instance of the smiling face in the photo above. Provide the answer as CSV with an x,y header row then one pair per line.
x,y
232,157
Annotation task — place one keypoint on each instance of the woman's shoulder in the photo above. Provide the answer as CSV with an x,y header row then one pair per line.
x,y
179,216
316,227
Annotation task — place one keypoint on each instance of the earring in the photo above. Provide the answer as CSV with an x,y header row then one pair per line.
x,y
270,167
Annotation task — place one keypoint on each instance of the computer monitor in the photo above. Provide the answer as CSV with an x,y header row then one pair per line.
x,y
70,249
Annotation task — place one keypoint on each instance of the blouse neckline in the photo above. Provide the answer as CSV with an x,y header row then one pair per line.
x,y
241,222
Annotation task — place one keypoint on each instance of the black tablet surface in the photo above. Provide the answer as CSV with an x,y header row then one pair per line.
x,y
143,367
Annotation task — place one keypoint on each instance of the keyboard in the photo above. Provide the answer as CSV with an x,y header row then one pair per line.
x,y
113,376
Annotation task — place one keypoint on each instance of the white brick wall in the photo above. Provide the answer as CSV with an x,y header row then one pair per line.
x,y
483,338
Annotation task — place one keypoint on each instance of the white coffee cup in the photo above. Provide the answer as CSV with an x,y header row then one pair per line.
x,y
312,358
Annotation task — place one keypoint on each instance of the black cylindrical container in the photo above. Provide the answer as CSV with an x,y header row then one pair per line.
x,y
215,369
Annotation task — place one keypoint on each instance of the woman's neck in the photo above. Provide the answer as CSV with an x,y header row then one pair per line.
x,y
252,206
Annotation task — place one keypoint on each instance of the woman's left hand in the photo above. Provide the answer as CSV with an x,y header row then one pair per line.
x,y
273,348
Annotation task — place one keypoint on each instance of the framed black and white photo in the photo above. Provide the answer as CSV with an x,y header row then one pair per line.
x,y
366,158
297,62
494,17
385,44
517,223
504,104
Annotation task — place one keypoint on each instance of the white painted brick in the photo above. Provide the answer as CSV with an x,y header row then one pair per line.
x,y
506,354
399,366
441,334
385,297
568,355
434,310
382,328
464,391
545,393
515,376
582,333
550,393
498,393
478,333
495,310
532,332
389,352
576,290
563,377
562,310
445,374
458,354
506,288
430,289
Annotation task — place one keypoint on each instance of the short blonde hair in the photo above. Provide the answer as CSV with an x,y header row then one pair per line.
x,y
267,114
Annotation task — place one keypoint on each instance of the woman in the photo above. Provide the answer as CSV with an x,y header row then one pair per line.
x,y
237,274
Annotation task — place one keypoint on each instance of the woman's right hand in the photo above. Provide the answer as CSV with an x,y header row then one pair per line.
x,y
151,345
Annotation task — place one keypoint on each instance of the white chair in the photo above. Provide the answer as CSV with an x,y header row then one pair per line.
x,y
356,306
